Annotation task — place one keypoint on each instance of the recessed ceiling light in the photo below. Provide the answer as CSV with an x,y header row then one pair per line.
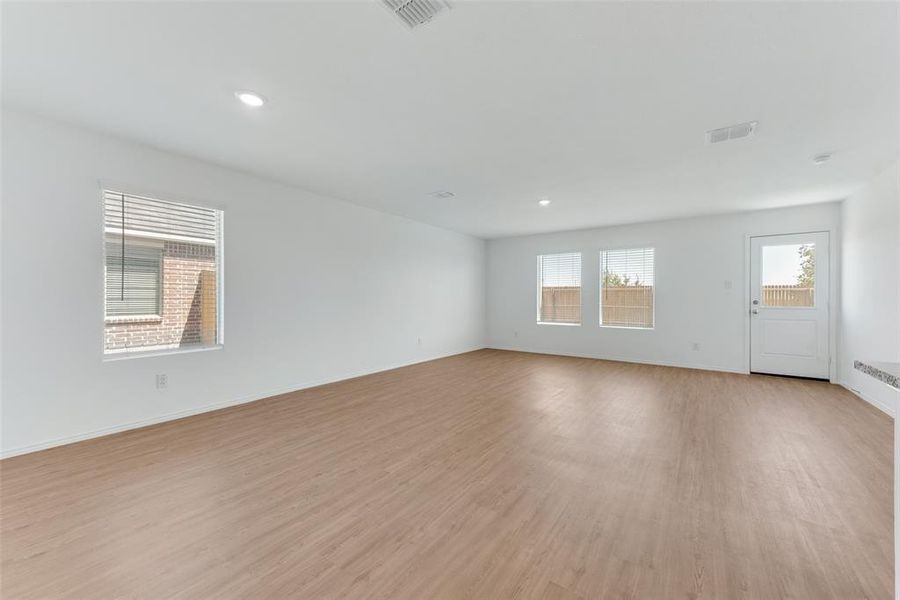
x,y
821,158
442,194
544,201
250,98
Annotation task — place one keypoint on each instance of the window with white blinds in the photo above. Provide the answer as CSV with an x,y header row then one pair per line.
x,y
162,266
627,288
559,288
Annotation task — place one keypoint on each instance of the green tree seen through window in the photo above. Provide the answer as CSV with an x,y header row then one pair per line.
x,y
616,280
807,275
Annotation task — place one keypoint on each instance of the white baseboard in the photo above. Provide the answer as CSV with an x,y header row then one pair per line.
x,y
103,431
882,406
658,363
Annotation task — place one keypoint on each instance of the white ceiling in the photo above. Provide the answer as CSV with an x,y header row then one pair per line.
x,y
600,106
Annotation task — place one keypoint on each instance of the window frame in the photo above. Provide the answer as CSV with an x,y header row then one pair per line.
x,y
104,186
539,287
600,253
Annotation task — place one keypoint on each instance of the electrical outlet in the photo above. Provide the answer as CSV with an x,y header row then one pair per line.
x,y
162,381
695,346
515,334
727,284
419,341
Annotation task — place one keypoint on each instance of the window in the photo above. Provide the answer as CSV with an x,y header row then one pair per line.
x,y
559,288
626,288
162,274
789,275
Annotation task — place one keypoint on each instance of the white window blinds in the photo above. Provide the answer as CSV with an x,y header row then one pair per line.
x,y
160,219
559,288
626,287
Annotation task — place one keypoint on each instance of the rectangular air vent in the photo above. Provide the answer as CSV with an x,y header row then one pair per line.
x,y
735,132
416,12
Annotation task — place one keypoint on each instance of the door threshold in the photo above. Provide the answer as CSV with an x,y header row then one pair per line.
x,y
825,379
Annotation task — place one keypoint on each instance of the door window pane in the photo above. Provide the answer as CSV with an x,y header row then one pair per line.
x,y
788,275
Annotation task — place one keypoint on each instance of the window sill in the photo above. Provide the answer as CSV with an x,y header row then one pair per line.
x,y
114,355
135,319
555,323
602,326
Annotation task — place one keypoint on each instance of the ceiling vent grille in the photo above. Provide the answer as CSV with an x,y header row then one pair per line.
x,y
416,12
735,132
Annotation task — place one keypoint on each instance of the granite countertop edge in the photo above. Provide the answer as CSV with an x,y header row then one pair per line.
x,y
892,379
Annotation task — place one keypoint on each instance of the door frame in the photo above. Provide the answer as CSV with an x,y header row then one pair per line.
x,y
834,284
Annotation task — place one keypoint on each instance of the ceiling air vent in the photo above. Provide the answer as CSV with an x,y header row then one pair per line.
x,y
735,132
416,12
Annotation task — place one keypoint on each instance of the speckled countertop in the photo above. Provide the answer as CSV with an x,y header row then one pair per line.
x,y
887,372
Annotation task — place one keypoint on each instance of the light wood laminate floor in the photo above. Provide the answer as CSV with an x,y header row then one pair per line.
x,y
486,475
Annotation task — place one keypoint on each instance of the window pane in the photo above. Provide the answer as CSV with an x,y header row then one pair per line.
x,y
134,290
559,288
164,295
788,275
626,287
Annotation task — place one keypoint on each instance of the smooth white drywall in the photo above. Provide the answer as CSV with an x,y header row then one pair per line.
x,y
701,288
870,289
316,289
602,106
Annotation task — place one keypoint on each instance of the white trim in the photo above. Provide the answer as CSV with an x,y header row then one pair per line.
x,y
104,431
657,363
888,410
563,323
146,351
220,277
133,319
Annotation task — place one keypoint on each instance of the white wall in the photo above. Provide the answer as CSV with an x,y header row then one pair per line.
x,y
316,289
694,260
870,290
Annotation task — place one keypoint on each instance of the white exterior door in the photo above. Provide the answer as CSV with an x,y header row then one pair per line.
x,y
788,304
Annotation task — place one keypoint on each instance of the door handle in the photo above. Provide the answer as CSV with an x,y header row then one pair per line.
x,y
754,311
